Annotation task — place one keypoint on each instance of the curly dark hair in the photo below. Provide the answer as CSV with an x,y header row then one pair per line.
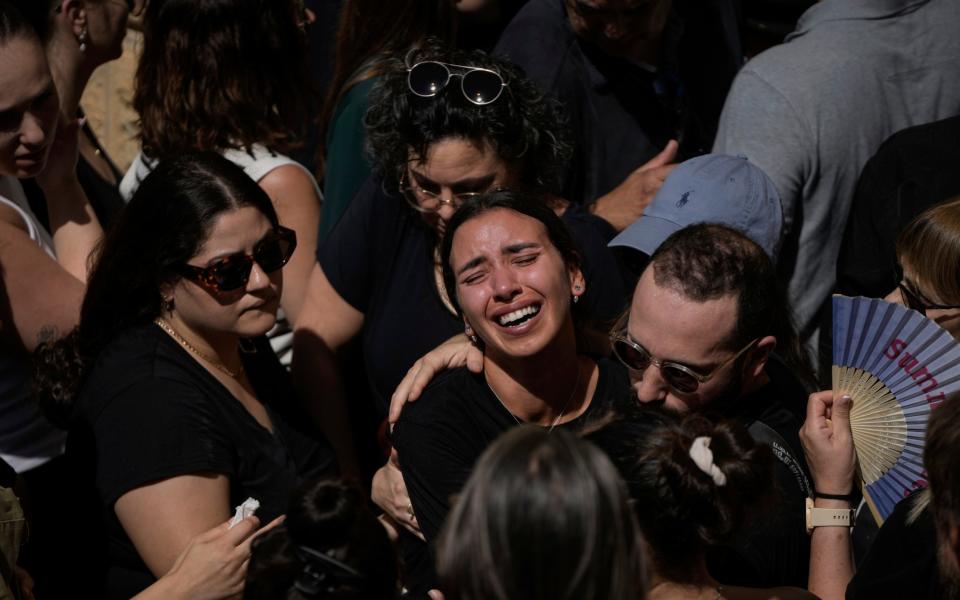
x,y
525,128
218,74
681,510
165,224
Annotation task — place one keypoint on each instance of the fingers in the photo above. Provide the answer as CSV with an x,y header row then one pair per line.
x,y
435,595
241,530
666,156
818,405
475,359
841,413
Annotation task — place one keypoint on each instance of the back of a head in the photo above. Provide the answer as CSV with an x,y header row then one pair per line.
x,y
329,547
930,248
544,515
524,128
692,481
218,74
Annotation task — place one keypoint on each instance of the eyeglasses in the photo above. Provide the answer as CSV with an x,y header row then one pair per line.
x,y
680,377
232,272
427,201
480,86
917,302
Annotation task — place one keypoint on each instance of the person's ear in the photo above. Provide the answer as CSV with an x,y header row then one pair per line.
x,y
468,331
758,356
578,283
76,13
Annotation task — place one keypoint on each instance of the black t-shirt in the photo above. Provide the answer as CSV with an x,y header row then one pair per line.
x,y
774,549
379,259
440,437
902,561
154,412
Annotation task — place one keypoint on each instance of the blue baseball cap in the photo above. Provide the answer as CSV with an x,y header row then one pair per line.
x,y
713,188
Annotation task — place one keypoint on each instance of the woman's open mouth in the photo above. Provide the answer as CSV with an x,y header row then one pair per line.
x,y
520,319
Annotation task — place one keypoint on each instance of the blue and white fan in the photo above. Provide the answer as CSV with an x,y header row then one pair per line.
x,y
897,365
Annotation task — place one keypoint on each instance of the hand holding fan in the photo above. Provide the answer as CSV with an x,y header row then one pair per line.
x,y
897,365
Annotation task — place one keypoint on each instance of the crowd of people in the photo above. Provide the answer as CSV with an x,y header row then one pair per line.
x,y
505,299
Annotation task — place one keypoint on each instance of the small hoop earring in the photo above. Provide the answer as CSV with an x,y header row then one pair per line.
x,y
576,298
82,38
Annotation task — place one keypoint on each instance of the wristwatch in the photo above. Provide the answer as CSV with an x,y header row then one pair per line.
x,y
828,517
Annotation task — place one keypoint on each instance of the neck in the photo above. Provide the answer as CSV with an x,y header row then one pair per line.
x,y
71,71
693,586
219,346
540,388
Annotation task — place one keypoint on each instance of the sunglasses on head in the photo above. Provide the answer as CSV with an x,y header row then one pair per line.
x,y
478,85
680,377
232,272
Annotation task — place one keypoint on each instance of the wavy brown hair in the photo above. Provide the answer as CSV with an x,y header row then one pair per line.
x,y
218,74
369,32
930,248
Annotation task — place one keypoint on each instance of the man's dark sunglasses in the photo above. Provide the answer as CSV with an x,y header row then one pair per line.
x,y
232,272
479,86
680,377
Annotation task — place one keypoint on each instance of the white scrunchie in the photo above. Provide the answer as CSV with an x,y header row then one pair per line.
x,y
702,457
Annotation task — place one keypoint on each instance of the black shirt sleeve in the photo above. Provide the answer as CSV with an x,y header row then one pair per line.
x,y
155,429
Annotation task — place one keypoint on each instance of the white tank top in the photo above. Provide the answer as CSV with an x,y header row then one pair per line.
x,y
27,439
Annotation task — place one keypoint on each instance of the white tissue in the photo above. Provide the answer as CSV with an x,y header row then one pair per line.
x,y
245,510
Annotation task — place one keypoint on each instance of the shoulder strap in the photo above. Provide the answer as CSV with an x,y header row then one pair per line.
x,y
763,433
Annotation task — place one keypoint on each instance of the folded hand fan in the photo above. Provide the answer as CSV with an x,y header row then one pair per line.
x,y
897,365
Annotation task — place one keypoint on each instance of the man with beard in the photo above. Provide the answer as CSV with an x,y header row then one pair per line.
x,y
709,330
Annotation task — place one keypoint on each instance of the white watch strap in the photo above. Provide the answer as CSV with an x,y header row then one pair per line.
x,y
828,517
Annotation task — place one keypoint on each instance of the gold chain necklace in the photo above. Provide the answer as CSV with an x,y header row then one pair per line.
x,y
562,411
162,324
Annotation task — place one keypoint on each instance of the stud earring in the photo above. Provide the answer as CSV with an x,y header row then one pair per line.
x,y
469,333
576,299
82,38
168,304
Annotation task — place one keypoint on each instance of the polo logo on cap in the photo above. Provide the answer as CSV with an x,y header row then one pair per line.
x,y
684,199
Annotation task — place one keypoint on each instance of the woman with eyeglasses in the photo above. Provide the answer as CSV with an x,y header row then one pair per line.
x,y
369,34
443,126
904,549
182,410
230,76
928,252
79,36
515,279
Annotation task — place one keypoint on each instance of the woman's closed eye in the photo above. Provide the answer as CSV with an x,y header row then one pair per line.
x,y
473,277
526,259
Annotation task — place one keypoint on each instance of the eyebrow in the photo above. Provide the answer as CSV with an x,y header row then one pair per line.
x,y
511,249
236,252
483,181
45,92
